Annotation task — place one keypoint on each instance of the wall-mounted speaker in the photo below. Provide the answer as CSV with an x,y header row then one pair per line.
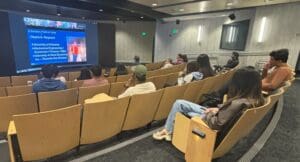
x,y
232,16
177,22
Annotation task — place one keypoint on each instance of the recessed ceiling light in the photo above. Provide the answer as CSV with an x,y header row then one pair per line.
x,y
154,4
229,4
58,14
118,19
142,17
27,10
100,10
181,10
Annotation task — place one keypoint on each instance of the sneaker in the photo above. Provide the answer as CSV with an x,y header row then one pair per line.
x,y
162,135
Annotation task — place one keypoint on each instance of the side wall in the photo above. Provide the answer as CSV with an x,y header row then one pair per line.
x,y
282,31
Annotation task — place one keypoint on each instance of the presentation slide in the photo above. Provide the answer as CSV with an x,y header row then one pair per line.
x,y
55,46
55,42
44,40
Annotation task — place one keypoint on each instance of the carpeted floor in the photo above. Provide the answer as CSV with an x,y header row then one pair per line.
x,y
284,143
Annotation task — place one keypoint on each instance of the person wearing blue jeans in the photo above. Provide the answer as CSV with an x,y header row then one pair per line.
x,y
185,107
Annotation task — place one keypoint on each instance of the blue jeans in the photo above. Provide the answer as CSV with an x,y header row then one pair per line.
x,y
185,107
74,57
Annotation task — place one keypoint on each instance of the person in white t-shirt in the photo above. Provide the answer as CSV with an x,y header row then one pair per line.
x,y
141,86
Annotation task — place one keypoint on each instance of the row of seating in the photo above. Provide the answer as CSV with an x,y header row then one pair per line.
x,y
99,121
71,76
199,142
116,82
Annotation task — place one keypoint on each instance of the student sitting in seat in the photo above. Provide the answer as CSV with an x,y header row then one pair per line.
x,y
192,73
276,71
48,82
204,66
233,61
121,70
139,80
96,80
84,74
244,93
167,64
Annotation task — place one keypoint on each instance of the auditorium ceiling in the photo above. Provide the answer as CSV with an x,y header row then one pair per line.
x,y
129,10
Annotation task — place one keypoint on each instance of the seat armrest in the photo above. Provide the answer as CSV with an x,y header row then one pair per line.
x,y
10,133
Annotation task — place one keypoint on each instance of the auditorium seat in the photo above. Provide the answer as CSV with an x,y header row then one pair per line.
x,y
76,84
193,91
73,75
112,72
88,92
123,78
103,120
170,95
5,81
111,79
2,91
23,80
13,105
172,79
19,90
57,99
68,84
141,109
159,81
116,89
46,134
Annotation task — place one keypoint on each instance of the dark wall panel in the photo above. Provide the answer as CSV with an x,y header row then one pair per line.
x,y
7,63
107,44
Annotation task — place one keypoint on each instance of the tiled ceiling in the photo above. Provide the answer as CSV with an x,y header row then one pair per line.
x,y
185,7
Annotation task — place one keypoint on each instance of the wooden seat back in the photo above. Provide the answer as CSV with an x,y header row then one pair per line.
x,y
13,105
123,78
103,120
57,99
22,80
73,75
46,134
88,92
18,90
3,92
5,81
117,88
170,95
193,90
76,84
141,109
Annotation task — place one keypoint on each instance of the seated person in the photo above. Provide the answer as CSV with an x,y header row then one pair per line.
x,y
121,70
167,64
180,59
192,73
48,81
276,71
84,74
244,93
136,60
204,66
139,79
233,62
97,79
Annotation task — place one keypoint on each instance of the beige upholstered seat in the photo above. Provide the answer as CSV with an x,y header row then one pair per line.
x,y
141,110
5,81
172,79
111,79
18,90
88,92
193,91
159,81
103,120
13,105
170,95
46,134
22,80
57,99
